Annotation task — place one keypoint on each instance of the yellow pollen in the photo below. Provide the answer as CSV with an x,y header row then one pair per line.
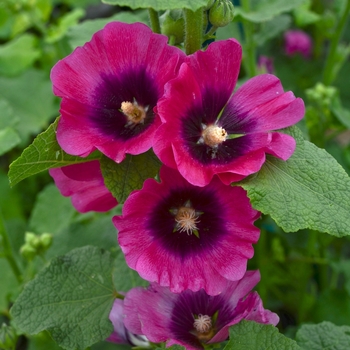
x,y
213,135
186,220
202,324
135,113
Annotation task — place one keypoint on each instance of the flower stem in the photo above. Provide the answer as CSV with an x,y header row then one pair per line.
x,y
193,30
8,253
328,76
250,47
154,19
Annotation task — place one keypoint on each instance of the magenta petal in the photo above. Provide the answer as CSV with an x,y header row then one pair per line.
x,y
117,318
156,247
122,63
164,316
281,145
209,130
84,184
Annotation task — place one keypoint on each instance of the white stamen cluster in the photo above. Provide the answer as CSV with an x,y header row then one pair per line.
x,y
186,220
214,135
202,324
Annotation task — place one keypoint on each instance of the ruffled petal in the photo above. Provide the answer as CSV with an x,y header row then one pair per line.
x,y
85,185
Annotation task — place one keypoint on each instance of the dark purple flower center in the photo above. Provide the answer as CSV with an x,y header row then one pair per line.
x,y
234,143
186,311
189,220
135,87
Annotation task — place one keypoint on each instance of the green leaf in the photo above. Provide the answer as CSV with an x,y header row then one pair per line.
x,y
266,10
92,229
256,336
324,336
44,153
18,54
159,4
125,278
309,190
123,178
7,115
71,298
80,34
8,139
55,33
52,212
31,99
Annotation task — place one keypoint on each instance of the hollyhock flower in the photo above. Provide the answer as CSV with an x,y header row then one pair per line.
x,y
109,88
120,334
297,41
193,319
84,184
208,130
185,236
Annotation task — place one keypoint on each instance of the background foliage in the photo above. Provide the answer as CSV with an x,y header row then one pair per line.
x,y
305,271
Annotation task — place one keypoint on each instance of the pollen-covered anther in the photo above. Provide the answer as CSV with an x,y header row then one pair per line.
x,y
186,220
214,135
135,113
202,324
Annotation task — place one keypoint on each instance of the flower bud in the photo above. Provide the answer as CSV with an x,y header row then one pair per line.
x,y
32,239
8,337
221,13
46,240
28,251
173,24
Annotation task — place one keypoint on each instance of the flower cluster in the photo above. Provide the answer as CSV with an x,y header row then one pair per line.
x,y
191,234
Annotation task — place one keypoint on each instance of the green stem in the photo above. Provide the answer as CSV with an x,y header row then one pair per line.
x,y
154,19
193,30
328,77
250,47
8,252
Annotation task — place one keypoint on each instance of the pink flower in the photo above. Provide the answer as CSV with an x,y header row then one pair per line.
x,y
187,237
84,184
192,319
109,88
297,41
210,130
120,334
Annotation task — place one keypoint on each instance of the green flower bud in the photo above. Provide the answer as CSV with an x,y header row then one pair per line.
x,y
221,13
32,239
8,337
46,240
173,24
28,251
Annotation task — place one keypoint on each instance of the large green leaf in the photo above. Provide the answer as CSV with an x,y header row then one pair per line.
x,y
31,99
18,54
52,212
71,298
323,336
256,336
310,190
160,4
8,139
44,153
267,9
123,178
